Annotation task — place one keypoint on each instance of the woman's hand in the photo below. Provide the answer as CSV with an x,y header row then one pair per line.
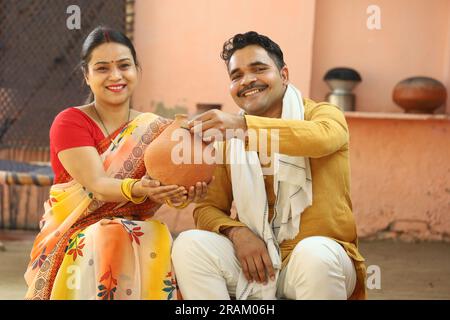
x,y
158,193
176,194
198,192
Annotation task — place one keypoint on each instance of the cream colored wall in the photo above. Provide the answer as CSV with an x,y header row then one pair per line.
x,y
179,42
414,40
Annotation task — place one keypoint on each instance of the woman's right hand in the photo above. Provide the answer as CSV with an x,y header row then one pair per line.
x,y
159,194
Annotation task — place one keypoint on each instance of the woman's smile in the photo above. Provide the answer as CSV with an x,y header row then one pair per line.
x,y
116,88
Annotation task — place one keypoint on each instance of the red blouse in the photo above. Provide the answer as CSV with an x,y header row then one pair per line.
x,y
71,128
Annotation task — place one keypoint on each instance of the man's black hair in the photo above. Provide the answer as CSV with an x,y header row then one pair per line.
x,y
241,40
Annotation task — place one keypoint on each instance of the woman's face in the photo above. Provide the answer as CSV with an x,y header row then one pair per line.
x,y
112,73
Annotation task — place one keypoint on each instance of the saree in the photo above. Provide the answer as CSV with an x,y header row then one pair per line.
x,y
88,249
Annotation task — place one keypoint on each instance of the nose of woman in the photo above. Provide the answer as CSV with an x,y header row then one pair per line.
x,y
116,73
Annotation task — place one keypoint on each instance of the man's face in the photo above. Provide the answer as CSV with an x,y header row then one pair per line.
x,y
257,86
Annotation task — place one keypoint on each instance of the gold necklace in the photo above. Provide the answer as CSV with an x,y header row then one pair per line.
x,y
104,127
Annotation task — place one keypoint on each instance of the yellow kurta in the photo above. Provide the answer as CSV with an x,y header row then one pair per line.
x,y
324,138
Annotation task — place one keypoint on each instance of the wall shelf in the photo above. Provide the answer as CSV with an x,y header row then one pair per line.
x,y
395,116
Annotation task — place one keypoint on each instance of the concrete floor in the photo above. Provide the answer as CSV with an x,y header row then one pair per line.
x,y
409,270
406,270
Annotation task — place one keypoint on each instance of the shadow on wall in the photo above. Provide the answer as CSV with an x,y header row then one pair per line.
x,y
167,112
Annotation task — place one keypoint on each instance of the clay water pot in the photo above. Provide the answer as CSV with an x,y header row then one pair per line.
x,y
419,94
178,157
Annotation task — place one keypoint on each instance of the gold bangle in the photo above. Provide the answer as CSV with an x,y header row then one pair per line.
x,y
122,189
134,199
125,188
181,206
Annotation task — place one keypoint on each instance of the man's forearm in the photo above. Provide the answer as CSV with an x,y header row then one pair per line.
x,y
212,219
320,136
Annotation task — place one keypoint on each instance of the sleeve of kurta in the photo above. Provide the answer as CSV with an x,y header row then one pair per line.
x,y
213,213
324,132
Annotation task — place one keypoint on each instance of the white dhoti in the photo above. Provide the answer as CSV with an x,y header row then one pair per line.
x,y
207,269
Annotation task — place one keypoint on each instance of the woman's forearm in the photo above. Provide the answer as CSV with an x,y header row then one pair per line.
x,y
85,166
109,189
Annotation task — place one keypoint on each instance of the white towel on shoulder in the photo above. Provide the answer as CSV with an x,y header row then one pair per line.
x,y
292,186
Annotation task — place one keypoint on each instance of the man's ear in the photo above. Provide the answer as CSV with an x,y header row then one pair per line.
x,y
284,72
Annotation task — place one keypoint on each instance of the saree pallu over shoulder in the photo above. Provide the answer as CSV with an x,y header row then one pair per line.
x,y
73,221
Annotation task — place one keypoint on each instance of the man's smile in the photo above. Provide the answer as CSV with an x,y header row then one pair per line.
x,y
252,91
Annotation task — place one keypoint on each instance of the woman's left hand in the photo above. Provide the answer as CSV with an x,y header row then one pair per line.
x,y
198,192
195,193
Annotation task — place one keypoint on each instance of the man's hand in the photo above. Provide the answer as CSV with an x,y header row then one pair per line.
x,y
215,124
252,253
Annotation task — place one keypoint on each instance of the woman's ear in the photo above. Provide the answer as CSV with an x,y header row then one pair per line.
x,y
86,77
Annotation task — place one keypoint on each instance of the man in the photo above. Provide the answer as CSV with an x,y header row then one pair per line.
x,y
294,234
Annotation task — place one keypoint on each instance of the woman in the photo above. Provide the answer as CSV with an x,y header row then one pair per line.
x,y
96,239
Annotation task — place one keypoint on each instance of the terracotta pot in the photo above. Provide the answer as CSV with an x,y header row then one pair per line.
x,y
419,95
175,157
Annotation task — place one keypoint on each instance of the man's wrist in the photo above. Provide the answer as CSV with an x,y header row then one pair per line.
x,y
244,123
241,129
231,231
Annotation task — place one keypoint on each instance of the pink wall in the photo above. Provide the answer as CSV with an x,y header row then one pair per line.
x,y
447,66
401,176
414,40
179,42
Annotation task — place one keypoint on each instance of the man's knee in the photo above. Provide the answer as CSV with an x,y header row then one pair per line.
x,y
315,255
187,243
315,270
